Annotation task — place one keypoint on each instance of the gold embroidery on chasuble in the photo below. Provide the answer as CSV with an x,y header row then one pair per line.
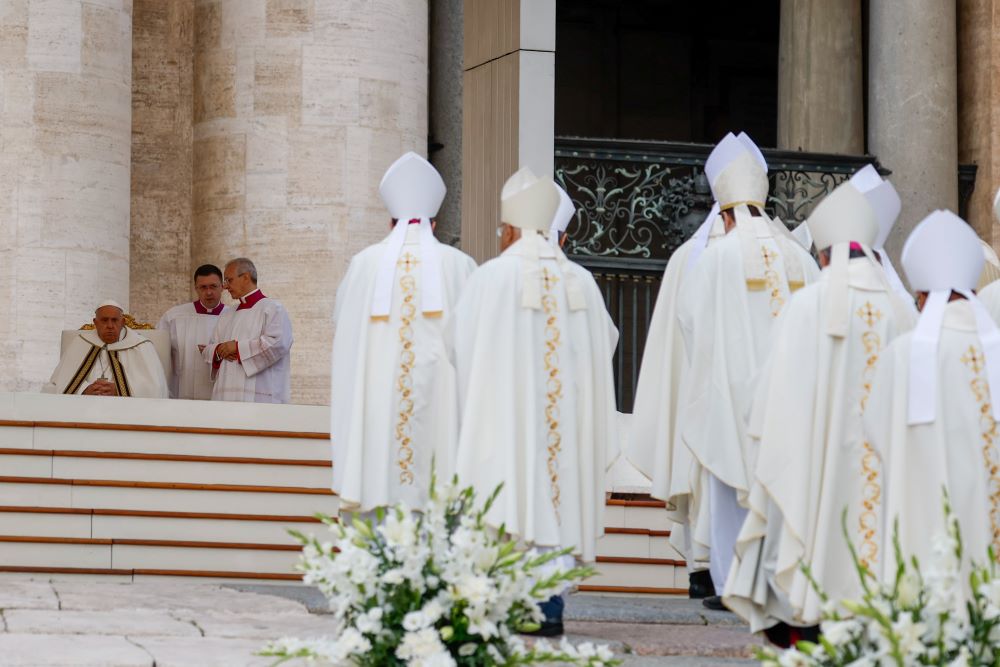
x,y
404,383
974,360
772,280
553,385
871,492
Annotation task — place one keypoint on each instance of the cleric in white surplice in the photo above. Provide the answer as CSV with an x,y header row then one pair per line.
x,y
392,398
109,360
190,326
533,343
726,310
932,414
250,347
812,458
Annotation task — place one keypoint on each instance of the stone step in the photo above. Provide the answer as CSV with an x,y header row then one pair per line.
x,y
144,467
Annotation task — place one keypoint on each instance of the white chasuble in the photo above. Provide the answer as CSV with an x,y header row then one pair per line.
x,y
958,451
727,309
190,325
132,364
532,343
654,445
812,460
263,334
393,408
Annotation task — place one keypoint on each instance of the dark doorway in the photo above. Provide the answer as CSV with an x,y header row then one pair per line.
x,y
671,70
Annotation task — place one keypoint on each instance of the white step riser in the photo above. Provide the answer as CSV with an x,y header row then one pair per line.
x,y
201,530
26,554
167,500
650,518
173,471
30,524
163,443
132,557
639,576
637,546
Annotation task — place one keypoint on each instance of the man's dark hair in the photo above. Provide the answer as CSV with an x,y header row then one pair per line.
x,y
207,270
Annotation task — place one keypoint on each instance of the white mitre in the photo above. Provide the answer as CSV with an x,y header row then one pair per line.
x,y
411,189
529,202
563,215
844,216
735,174
942,255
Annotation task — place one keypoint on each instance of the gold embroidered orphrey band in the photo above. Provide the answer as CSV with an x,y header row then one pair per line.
x,y
871,494
553,387
117,371
407,357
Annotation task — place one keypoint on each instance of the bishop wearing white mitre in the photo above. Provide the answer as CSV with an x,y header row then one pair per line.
x,y
727,306
250,347
190,326
393,407
935,400
532,343
812,459
655,448
109,360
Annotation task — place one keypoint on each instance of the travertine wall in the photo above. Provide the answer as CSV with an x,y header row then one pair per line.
x,y
65,67
299,106
162,108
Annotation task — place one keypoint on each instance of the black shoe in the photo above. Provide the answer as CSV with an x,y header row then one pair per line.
x,y
783,635
714,602
700,585
547,629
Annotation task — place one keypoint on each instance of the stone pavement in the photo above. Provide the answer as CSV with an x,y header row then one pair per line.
x,y
163,624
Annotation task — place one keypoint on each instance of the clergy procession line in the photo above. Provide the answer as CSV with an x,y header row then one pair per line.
x,y
775,394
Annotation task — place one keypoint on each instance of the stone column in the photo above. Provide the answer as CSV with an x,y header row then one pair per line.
x,y
299,107
446,111
162,88
820,94
912,105
65,124
508,107
978,97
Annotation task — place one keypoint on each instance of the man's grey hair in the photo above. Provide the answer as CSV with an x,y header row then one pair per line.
x,y
244,265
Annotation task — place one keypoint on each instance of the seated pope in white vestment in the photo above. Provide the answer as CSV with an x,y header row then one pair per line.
x,y
727,307
249,349
110,360
532,343
933,411
190,326
393,407
812,460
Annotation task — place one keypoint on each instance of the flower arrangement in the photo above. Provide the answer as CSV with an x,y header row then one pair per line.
x,y
923,618
432,589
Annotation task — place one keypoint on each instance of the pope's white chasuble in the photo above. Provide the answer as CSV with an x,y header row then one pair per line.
x,y
812,460
132,364
190,325
654,445
532,343
727,309
263,334
959,450
393,407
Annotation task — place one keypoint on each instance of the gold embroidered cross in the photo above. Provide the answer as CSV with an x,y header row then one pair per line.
x,y
549,279
407,262
767,255
973,359
869,314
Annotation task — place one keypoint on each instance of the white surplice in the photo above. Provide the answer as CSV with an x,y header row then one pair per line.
x,y
536,394
393,406
956,451
654,445
812,461
263,334
132,364
727,309
191,375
